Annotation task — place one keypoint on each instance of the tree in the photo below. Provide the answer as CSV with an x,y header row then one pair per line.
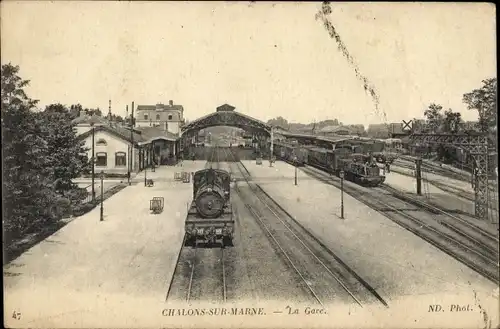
x,y
67,155
279,121
91,112
434,117
451,121
116,118
25,175
484,101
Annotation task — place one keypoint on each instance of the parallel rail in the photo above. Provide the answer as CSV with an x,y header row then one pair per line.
x,y
465,242
193,272
340,272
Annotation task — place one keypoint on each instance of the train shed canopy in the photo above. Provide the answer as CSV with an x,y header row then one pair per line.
x,y
226,116
325,141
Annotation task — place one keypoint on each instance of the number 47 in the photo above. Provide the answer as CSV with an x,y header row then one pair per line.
x,y
16,315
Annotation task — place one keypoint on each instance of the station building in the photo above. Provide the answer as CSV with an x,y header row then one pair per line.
x,y
119,149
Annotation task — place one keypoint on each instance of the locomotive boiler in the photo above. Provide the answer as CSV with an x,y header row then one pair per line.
x,y
358,168
210,217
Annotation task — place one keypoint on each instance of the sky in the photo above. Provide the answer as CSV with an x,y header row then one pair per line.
x,y
265,59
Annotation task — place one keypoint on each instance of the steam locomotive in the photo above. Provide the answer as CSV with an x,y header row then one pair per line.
x,y
210,216
358,168
351,159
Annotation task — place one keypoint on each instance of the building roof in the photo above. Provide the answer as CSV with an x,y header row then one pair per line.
x,y
160,107
332,129
334,139
140,136
225,118
152,133
90,119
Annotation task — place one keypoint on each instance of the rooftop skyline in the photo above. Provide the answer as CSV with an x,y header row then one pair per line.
x,y
265,59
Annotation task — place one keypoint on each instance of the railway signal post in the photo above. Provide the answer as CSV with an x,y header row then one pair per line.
x,y
102,190
341,174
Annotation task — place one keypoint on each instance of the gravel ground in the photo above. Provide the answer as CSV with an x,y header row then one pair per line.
x,y
461,207
394,261
255,271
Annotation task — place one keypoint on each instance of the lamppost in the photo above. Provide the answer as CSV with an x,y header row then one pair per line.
x,y
295,162
93,162
145,179
272,153
341,174
102,190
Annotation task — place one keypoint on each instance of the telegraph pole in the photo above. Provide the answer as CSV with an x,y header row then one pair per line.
x,y
342,194
418,174
93,162
131,144
271,155
102,196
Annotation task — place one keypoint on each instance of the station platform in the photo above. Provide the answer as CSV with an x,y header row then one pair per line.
x,y
399,265
89,265
439,197
431,177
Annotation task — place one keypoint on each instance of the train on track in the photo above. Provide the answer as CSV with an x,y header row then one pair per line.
x,y
357,167
291,153
210,216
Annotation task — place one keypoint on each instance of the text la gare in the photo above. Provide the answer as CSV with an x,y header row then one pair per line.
x,y
307,311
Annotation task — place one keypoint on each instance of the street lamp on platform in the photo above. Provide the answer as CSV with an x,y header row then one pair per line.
x,y
272,149
341,174
296,163
102,196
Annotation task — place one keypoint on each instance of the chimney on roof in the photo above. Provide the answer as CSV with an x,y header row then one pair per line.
x,y
109,111
171,102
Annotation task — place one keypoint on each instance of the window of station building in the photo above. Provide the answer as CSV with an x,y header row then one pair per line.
x,y
157,117
145,116
120,159
170,116
101,142
101,159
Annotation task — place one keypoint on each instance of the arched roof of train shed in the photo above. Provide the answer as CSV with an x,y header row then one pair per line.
x,y
226,116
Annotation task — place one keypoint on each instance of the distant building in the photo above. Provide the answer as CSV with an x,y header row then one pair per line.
x,y
334,131
166,117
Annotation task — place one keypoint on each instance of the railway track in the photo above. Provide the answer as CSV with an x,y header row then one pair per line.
x,y
468,243
323,274
432,169
200,272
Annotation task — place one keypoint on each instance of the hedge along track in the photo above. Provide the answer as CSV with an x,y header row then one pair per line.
x,y
323,274
452,237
